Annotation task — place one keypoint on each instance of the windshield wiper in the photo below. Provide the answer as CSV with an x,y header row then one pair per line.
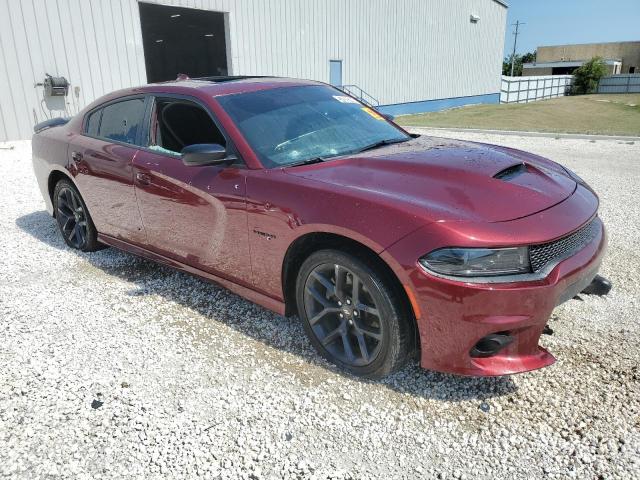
x,y
308,161
382,143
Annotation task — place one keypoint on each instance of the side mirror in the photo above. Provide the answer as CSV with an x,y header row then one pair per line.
x,y
202,154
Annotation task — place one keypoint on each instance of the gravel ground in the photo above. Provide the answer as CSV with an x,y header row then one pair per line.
x,y
114,367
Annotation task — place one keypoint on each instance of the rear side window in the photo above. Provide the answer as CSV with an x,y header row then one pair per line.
x,y
122,121
93,123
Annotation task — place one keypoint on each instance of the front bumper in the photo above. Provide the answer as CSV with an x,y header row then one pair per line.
x,y
454,316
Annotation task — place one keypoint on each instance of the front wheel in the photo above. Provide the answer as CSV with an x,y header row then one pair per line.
x,y
72,216
353,314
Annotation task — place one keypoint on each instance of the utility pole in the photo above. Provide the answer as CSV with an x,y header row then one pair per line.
x,y
515,42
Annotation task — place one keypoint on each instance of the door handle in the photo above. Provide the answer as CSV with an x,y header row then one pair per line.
x,y
143,178
76,156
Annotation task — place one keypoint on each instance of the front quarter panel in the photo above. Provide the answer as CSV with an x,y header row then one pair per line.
x,y
282,208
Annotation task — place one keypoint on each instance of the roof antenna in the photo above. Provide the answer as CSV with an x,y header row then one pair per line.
x,y
182,77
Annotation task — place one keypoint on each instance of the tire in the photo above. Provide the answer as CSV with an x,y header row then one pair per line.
x,y
356,319
73,219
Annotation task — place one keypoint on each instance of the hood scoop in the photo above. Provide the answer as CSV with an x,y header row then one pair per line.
x,y
511,172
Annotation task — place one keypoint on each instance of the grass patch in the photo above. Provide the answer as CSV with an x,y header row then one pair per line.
x,y
586,114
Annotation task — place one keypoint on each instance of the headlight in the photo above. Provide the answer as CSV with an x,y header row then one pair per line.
x,y
478,262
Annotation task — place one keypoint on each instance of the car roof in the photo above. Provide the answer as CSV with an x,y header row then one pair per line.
x,y
217,86
204,87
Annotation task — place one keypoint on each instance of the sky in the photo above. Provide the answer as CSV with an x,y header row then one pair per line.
x,y
558,22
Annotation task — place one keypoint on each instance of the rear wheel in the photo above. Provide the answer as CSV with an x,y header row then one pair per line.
x,y
73,218
353,315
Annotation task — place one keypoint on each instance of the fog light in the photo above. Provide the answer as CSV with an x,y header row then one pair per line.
x,y
491,344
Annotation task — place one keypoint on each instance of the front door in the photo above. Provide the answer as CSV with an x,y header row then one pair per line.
x,y
195,215
102,161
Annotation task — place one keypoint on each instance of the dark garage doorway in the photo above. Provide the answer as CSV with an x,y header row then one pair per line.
x,y
182,40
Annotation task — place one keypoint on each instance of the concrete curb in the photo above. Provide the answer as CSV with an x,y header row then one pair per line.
x,y
572,136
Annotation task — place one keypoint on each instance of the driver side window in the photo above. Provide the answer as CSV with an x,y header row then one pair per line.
x,y
179,123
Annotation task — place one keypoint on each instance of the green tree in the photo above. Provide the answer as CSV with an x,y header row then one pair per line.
x,y
517,68
587,77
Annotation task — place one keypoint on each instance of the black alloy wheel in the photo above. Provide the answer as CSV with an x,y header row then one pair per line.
x,y
343,315
353,314
73,219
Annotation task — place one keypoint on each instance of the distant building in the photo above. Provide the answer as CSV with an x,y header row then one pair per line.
x,y
620,57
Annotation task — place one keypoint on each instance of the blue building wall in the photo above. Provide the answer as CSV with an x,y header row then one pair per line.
x,y
437,105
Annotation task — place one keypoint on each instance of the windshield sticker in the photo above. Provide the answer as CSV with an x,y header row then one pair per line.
x,y
345,99
373,113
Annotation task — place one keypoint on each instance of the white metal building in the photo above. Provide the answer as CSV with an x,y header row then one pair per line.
x,y
406,55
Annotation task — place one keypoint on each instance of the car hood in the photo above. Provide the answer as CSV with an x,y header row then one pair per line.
x,y
449,180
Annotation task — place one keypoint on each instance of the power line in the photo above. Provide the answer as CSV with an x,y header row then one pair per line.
x,y
515,42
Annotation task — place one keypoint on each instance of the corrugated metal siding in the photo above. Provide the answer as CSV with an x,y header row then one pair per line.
x,y
398,51
629,83
96,45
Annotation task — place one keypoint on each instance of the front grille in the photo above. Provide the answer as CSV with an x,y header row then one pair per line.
x,y
552,252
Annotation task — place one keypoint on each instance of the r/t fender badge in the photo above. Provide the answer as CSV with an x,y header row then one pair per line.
x,y
266,235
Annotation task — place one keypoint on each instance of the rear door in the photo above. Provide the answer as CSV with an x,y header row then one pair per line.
x,y
102,160
194,214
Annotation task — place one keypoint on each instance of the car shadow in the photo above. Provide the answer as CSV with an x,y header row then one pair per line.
x,y
286,334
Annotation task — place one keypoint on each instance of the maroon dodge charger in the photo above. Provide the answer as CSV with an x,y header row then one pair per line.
x,y
300,198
